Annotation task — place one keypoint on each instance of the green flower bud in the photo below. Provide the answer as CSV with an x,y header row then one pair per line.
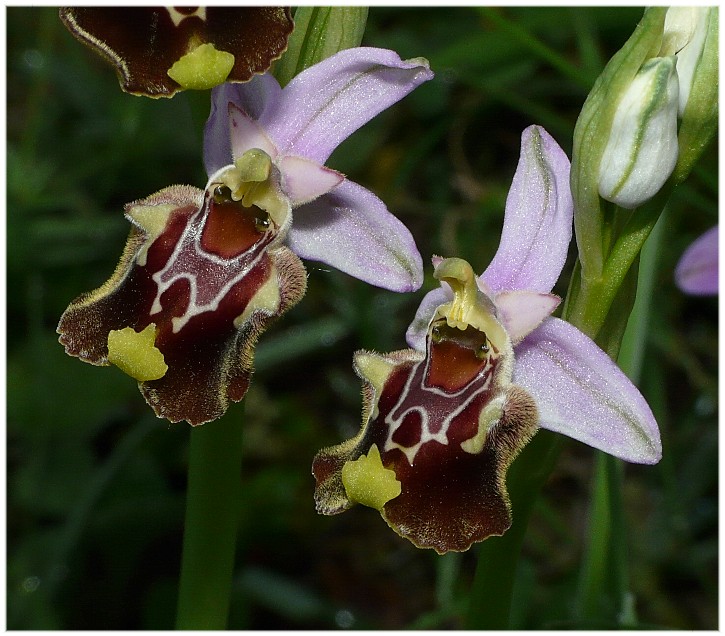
x,y
592,132
642,149
686,30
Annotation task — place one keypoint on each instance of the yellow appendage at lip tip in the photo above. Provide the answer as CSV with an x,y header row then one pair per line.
x,y
135,353
368,482
202,68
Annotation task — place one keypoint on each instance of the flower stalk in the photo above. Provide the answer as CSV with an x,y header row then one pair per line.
x,y
213,510
607,550
589,306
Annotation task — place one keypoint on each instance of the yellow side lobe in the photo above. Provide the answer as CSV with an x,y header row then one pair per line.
x,y
202,68
491,414
368,482
152,219
266,300
136,354
374,368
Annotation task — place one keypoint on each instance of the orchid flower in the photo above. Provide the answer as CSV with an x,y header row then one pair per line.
x,y
204,272
488,366
697,270
336,221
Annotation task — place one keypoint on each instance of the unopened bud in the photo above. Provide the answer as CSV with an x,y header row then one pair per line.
x,y
686,28
641,150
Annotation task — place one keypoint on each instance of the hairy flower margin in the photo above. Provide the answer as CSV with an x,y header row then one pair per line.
x,y
488,365
204,272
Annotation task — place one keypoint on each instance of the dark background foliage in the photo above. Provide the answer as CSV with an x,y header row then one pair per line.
x,y
96,484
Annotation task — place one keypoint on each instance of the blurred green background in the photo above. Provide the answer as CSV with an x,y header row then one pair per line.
x,y
96,483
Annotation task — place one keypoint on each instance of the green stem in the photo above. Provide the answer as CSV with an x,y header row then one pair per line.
x,y
604,597
595,295
213,509
604,593
593,579
625,616
635,337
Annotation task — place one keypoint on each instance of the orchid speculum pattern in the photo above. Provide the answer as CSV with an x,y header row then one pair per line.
x,y
200,277
204,272
443,421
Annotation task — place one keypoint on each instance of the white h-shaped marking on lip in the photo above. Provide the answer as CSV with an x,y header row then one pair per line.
x,y
426,435
201,262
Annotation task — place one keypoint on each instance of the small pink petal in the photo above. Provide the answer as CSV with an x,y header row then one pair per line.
x,y
247,134
521,312
303,180
258,96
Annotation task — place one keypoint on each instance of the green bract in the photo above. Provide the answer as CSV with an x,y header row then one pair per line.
x,y
699,64
592,130
319,33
